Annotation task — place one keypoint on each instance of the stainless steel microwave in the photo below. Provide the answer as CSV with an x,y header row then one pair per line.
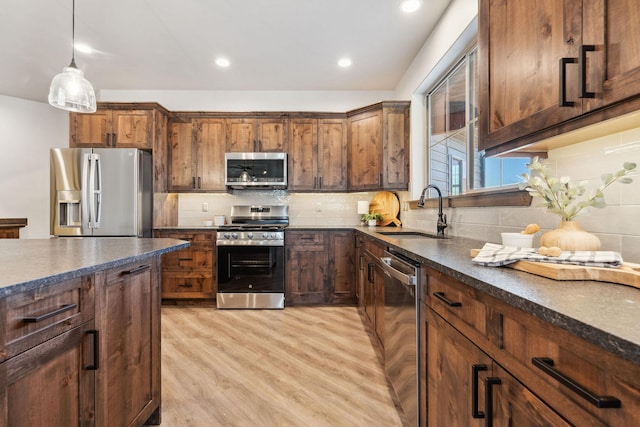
x,y
255,170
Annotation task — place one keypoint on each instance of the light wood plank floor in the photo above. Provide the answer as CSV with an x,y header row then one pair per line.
x,y
301,366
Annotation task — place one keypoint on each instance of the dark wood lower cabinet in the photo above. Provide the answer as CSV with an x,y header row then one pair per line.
x,y
320,267
50,385
487,363
129,314
69,359
190,273
466,387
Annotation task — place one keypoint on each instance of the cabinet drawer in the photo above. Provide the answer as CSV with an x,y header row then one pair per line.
x,y
556,364
194,257
456,302
305,239
35,316
186,285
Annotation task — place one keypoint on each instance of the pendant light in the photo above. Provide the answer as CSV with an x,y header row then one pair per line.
x,y
70,90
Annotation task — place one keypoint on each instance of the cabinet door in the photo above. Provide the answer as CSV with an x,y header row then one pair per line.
x,y
303,174
241,135
374,296
211,146
272,135
89,130
183,157
395,150
132,129
50,384
515,405
128,381
448,365
365,156
341,278
307,267
520,44
613,66
332,155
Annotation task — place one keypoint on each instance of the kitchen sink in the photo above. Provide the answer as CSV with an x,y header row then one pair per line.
x,y
410,235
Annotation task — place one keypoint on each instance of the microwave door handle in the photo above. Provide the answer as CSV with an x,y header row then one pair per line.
x,y
98,191
86,191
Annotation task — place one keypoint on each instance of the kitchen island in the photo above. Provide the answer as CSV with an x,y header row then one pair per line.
x,y
80,334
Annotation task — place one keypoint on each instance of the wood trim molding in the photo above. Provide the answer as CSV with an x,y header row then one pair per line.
x,y
509,197
13,222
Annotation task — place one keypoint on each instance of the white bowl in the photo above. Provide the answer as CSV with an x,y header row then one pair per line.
x,y
208,223
517,239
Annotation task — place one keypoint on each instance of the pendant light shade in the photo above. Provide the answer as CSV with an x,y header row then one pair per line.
x,y
70,90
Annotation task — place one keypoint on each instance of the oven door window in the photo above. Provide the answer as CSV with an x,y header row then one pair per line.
x,y
250,269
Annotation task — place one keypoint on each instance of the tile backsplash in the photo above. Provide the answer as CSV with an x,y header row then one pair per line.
x,y
617,225
338,209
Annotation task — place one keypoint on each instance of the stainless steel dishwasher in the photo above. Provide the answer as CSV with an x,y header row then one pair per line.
x,y
401,298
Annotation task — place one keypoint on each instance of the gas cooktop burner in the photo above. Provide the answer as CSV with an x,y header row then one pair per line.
x,y
252,227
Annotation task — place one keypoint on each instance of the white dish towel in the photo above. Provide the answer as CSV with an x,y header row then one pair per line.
x,y
494,255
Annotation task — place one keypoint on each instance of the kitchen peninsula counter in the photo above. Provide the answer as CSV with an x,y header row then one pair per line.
x,y
605,314
80,339
30,263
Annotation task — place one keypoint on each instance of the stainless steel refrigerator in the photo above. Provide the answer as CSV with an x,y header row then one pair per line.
x,y
101,192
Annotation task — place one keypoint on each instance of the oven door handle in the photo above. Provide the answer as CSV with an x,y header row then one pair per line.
x,y
389,270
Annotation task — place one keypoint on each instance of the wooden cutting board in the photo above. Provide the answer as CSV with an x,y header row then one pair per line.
x,y
386,204
627,274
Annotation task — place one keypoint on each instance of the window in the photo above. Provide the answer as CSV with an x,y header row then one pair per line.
x,y
455,164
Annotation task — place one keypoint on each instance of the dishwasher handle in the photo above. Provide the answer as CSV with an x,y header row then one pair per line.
x,y
405,278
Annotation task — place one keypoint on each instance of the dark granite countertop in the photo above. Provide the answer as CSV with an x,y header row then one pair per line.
x,y
30,263
602,313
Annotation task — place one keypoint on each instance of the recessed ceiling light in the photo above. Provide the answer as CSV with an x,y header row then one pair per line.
x,y
410,6
222,62
345,62
83,48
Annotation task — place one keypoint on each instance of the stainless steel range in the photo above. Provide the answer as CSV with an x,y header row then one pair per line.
x,y
251,257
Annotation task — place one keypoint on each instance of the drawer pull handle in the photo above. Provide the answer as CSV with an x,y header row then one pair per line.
x,y
185,285
546,364
36,319
96,350
441,297
475,413
489,382
185,259
135,270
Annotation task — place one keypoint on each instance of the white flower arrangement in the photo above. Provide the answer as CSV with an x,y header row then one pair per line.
x,y
560,195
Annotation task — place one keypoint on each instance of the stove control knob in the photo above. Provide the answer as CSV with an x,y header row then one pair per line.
x,y
249,235
265,235
234,235
273,235
226,235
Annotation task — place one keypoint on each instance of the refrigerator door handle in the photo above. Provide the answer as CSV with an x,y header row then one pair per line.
x,y
98,191
86,191
92,190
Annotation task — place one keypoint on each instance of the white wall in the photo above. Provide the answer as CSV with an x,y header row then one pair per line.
x,y
455,31
28,130
183,100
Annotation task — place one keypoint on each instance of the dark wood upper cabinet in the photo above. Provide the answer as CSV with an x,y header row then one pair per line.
x,y
549,67
379,146
317,154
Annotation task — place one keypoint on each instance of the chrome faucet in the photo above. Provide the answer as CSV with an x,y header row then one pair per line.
x,y
442,218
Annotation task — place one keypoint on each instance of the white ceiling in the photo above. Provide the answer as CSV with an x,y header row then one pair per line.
x,y
172,44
